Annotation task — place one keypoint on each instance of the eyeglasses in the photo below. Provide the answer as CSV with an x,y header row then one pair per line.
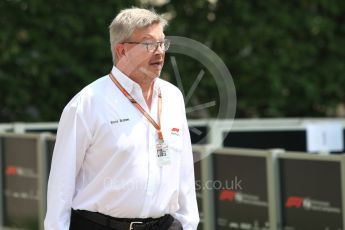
x,y
153,46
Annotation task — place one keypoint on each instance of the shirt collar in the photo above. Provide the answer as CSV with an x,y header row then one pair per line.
x,y
124,80
156,87
128,83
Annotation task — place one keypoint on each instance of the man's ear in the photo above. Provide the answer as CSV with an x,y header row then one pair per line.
x,y
120,51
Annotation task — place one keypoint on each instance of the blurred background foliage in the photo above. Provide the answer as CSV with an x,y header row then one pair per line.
x,y
287,58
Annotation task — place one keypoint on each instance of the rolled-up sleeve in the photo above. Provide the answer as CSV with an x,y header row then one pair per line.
x,y
72,140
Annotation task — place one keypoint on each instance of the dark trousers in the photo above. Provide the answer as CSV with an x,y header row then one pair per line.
x,y
80,223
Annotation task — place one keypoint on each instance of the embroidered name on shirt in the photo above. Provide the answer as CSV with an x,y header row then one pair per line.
x,y
119,121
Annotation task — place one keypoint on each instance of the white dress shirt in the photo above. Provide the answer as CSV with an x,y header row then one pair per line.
x,y
105,156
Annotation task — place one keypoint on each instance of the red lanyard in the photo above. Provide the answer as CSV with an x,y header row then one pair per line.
x,y
138,106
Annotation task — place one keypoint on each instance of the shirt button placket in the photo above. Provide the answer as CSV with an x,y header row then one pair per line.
x,y
151,171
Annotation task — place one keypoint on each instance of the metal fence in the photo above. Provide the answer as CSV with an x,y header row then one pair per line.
x,y
290,134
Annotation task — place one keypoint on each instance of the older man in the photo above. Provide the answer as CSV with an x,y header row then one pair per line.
x,y
122,158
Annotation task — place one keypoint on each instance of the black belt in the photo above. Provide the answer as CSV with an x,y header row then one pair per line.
x,y
126,224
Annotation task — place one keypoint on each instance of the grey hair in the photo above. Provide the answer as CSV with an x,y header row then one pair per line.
x,y
127,21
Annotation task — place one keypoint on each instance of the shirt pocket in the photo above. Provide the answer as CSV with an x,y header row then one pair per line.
x,y
175,139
